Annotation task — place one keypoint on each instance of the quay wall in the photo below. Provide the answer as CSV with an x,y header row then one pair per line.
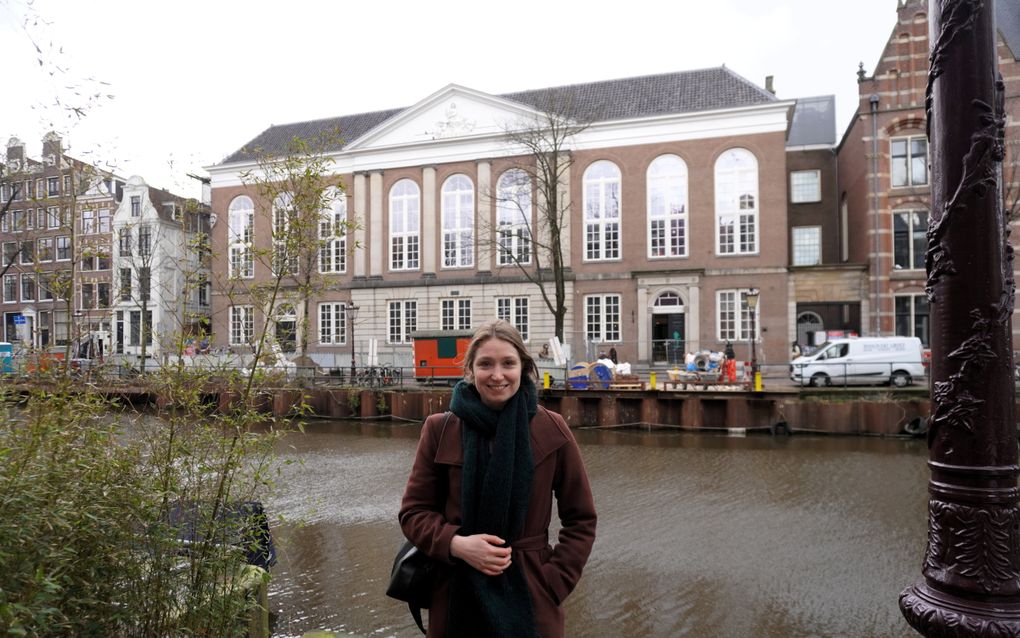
x,y
861,413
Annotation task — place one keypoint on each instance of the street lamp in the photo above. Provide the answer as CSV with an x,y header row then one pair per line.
x,y
352,312
752,305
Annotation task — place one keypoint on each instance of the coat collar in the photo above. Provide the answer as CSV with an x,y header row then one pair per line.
x,y
546,438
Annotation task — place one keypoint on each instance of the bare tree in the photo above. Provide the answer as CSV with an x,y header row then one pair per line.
x,y
539,178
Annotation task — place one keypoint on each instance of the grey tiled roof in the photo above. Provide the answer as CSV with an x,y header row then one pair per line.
x,y
814,121
681,92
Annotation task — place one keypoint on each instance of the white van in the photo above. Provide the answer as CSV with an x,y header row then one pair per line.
x,y
897,361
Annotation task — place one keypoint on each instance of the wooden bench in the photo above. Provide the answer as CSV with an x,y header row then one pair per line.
x,y
627,382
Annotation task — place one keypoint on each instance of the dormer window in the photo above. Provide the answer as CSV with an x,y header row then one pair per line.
x,y
136,206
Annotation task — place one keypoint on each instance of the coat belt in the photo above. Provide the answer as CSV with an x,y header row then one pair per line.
x,y
532,543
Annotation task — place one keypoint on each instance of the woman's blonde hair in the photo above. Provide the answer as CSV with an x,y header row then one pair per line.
x,y
499,329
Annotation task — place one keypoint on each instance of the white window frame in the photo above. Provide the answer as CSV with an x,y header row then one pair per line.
x,y
730,327
333,234
405,226
11,283
455,314
242,325
28,279
603,318
911,316
916,238
68,247
457,215
806,245
44,250
513,218
736,203
602,207
333,323
516,312
240,232
667,203
805,186
284,263
903,172
402,320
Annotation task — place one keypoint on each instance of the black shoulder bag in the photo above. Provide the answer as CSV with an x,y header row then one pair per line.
x,y
414,575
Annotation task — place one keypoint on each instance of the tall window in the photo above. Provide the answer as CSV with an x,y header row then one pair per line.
x,y
144,241
733,317
53,187
28,287
805,186
104,220
88,222
125,241
667,207
909,159
10,288
513,218
403,320
602,211
807,245
285,259
136,206
514,310
332,324
241,215
909,239
602,317
736,203
125,284
455,314
333,234
63,248
242,325
405,207
45,249
458,215
912,317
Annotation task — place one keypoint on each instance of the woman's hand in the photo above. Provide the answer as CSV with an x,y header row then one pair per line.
x,y
484,552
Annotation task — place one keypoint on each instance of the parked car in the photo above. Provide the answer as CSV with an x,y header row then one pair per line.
x,y
898,361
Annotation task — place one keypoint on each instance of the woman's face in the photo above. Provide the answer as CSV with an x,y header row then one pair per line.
x,y
497,372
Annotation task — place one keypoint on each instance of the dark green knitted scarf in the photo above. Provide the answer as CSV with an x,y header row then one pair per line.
x,y
496,491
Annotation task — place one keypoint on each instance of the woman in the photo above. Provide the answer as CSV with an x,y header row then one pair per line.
x,y
479,499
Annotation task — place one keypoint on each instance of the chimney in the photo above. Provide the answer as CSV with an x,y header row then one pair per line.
x,y
768,85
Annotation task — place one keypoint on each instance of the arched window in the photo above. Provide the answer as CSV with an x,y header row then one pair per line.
x,y
667,207
513,217
602,211
458,214
736,203
405,209
240,230
333,233
669,300
285,243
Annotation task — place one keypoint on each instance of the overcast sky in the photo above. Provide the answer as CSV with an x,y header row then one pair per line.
x,y
164,88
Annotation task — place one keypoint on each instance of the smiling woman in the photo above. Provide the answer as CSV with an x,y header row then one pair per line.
x,y
479,499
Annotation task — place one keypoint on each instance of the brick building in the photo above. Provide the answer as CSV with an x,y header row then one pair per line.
x,y
676,197
883,169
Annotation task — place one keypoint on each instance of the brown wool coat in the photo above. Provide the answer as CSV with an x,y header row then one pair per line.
x,y
552,572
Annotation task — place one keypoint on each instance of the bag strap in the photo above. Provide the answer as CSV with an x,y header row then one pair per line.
x,y
415,610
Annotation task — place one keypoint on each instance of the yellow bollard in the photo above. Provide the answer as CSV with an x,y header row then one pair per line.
x,y
757,381
546,380
651,381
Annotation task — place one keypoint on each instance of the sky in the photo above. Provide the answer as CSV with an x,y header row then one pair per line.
x,y
163,89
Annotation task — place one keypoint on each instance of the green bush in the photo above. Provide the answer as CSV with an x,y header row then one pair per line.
x,y
86,495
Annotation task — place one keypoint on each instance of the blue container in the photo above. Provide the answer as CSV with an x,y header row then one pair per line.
x,y
6,358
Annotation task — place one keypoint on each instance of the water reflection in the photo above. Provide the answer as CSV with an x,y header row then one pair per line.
x,y
699,535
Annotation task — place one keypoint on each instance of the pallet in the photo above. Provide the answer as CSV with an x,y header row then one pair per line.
x,y
627,385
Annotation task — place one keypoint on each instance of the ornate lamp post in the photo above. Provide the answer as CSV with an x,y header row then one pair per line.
x,y
971,570
752,306
352,312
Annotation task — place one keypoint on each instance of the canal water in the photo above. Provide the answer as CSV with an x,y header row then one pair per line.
x,y
698,535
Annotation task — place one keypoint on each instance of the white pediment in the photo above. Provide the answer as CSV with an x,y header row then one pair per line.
x,y
454,112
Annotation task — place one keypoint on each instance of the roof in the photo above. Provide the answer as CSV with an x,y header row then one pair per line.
x,y
814,122
662,94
